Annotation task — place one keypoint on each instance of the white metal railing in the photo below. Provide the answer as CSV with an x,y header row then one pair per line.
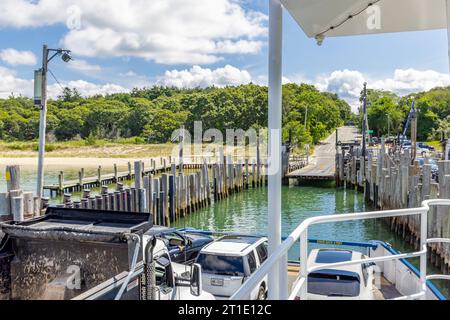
x,y
279,257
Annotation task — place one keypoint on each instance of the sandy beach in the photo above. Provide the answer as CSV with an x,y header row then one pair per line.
x,y
69,162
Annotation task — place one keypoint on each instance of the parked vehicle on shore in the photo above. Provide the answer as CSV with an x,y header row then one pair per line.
x,y
434,167
229,261
423,145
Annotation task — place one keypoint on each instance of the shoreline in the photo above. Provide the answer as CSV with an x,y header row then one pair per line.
x,y
78,162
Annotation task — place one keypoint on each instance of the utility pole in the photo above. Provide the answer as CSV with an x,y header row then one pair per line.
x,y
306,118
389,125
42,124
364,126
42,104
413,135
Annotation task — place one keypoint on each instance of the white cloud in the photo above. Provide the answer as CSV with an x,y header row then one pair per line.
x,y
263,80
164,31
204,77
11,84
129,73
86,89
411,80
14,57
84,66
348,84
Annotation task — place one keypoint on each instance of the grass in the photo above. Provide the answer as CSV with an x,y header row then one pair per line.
x,y
124,148
91,148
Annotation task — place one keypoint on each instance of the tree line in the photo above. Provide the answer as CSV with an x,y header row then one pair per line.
x,y
387,113
150,115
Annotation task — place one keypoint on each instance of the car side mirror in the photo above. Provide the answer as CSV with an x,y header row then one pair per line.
x,y
196,280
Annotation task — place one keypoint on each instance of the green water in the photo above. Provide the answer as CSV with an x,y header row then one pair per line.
x,y
246,212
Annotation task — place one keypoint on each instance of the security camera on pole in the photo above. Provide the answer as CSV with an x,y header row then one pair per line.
x,y
40,100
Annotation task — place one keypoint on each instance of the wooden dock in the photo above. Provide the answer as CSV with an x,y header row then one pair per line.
x,y
154,167
171,193
322,165
390,180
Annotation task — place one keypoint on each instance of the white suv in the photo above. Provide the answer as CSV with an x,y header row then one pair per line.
x,y
229,261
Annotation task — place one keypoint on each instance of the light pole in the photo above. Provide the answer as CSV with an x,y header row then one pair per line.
x,y
42,103
306,118
389,125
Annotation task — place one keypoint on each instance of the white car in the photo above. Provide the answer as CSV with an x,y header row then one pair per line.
x,y
353,282
229,261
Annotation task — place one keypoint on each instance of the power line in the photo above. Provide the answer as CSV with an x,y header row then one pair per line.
x,y
59,83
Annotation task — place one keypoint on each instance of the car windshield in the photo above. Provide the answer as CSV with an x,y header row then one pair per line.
x,y
334,284
221,265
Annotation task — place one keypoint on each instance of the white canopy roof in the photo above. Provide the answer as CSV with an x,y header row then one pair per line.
x,y
317,16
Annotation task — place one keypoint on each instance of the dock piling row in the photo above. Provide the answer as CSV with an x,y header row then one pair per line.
x,y
392,181
167,191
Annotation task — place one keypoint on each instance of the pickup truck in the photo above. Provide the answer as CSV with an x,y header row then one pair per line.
x,y
86,254
172,281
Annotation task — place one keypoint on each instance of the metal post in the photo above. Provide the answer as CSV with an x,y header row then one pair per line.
x,y
413,136
447,4
306,118
42,124
277,282
423,257
304,264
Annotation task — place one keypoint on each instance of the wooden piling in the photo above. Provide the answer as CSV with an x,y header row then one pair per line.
x,y
12,178
5,207
17,208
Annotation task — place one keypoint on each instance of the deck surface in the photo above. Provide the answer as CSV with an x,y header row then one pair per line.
x,y
322,164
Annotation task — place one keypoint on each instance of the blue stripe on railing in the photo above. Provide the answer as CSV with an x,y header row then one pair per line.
x,y
369,244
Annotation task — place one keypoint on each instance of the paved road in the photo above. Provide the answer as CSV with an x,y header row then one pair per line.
x,y
322,163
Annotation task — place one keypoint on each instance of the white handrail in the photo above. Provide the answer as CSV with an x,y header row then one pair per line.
x,y
438,240
439,277
301,233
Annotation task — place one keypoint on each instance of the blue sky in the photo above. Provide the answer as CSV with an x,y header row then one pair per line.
x,y
162,43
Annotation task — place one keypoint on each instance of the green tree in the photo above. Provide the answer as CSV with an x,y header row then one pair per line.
x,y
384,116
163,124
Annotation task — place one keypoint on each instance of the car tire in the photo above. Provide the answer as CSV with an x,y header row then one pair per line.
x,y
261,293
